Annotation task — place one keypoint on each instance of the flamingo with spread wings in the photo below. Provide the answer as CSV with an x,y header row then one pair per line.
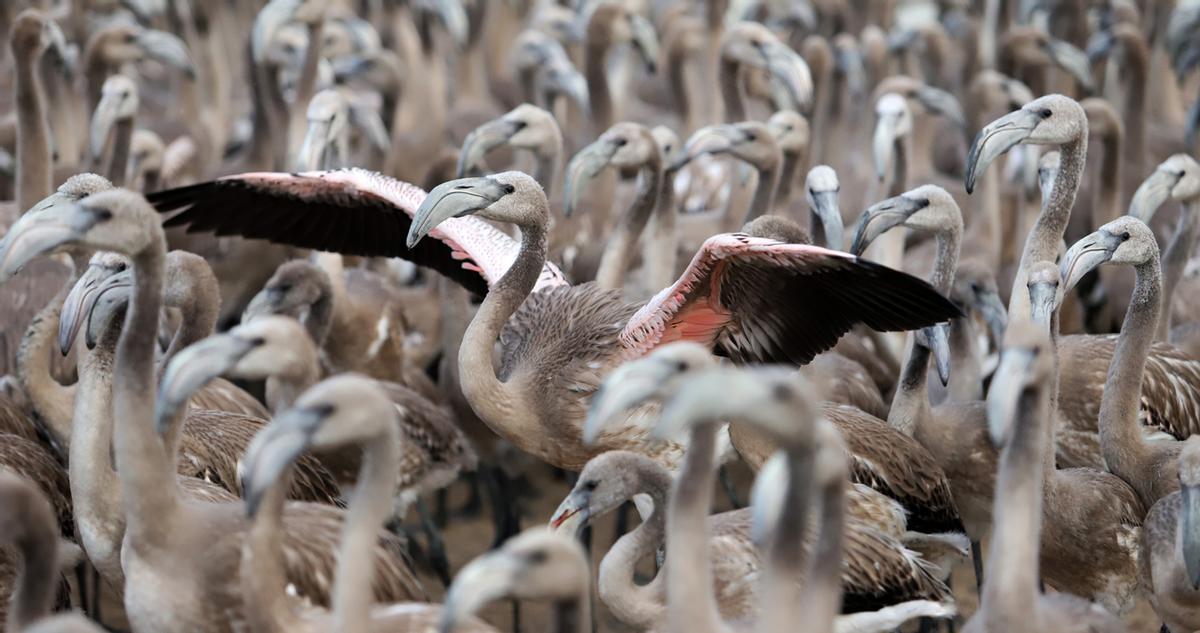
x,y
749,298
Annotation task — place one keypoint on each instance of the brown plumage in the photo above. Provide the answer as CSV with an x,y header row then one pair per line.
x,y
32,462
1170,400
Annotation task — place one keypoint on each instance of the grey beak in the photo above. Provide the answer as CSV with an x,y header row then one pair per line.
x,y
584,166
560,77
1008,383
573,514
78,305
454,17
167,49
312,154
628,386
1043,299
713,139
1189,525
1153,192
453,199
995,314
193,367
1085,255
995,139
482,580
881,217
790,70
937,339
884,139
1100,45
824,205
272,452
767,498
645,40
482,140
942,103
112,298
41,232
113,106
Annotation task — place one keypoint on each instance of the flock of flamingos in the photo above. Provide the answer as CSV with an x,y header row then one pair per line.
x,y
275,276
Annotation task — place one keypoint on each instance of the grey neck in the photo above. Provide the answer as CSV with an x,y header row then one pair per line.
x,y
1010,587
618,254
689,572
34,173
1121,439
764,194
1174,261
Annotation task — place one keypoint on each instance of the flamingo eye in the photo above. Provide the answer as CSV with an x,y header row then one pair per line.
x,y
509,189
1045,113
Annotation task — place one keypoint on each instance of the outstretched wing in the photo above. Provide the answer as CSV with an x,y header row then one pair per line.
x,y
348,211
756,299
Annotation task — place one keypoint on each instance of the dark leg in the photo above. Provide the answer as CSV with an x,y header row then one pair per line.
x,y
96,595
516,616
474,503
727,484
437,547
1164,629
977,559
440,517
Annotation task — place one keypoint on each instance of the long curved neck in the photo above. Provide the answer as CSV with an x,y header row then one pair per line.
x,y
966,381
369,507
95,490
910,405
1135,108
282,389
1121,440
142,461
731,92
1174,260
822,597
1108,204
661,245
545,169
596,74
637,605
1010,585
34,179
306,86
53,402
492,400
199,313
782,601
787,178
262,574
36,582
118,162
676,76
618,254
764,194
1043,241
901,156
690,608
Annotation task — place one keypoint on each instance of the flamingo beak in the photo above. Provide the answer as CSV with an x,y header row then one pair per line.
x,y
272,452
887,130
453,199
1100,45
563,78
44,230
767,498
454,17
824,205
937,339
1008,383
1043,299
114,105
645,41
942,103
481,581
196,365
1085,255
1152,194
58,42
584,166
313,154
712,139
482,140
630,385
168,49
792,73
881,217
573,513
995,314
79,304
112,297
995,139
1189,524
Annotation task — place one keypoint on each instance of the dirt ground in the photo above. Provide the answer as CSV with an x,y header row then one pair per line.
x,y
467,538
